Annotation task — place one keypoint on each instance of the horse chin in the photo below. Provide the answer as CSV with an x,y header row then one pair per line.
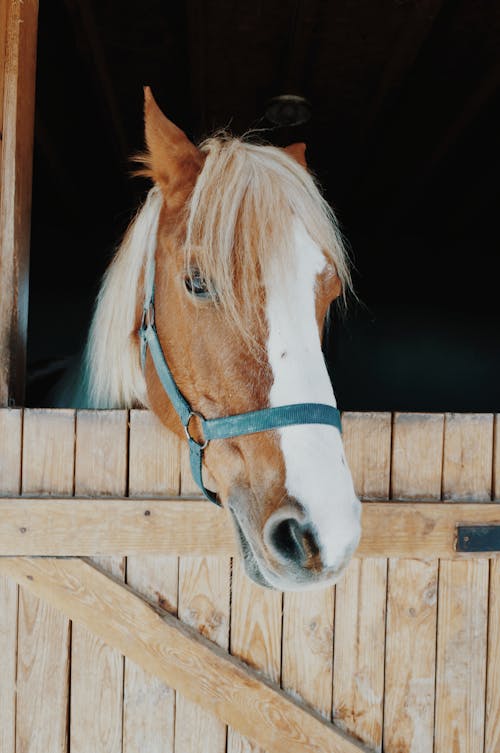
x,y
250,561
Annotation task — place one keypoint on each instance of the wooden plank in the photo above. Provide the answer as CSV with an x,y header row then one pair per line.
x,y
204,595
468,451
81,527
417,453
10,451
8,654
96,668
154,470
492,729
367,442
463,596
4,11
180,656
255,637
48,452
358,685
496,459
10,483
18,65
461,657
44,633
307,662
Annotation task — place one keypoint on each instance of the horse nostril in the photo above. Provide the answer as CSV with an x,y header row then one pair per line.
x,y
292,542
286,540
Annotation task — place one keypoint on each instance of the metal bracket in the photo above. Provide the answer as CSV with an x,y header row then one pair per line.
x,y
484,538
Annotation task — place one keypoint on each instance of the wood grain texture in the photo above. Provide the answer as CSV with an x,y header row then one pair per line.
x,y
463,596
11,428
461,657
96,668
307,655
43,632
154,470
80,527
204,595
18,65
358,685
8,669
10,483
4,10
492,729
367,443
255,637
179,655
496,459
412,593
468,451
417,453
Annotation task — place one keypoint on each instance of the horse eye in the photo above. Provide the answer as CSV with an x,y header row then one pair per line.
x,y
196,285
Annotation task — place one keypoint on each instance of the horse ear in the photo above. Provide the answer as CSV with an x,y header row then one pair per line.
x,y
170,153
298,152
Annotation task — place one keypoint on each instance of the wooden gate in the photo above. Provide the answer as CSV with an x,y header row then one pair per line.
x,y
403,654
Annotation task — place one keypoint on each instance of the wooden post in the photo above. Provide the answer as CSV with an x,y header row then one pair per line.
x,y
18,38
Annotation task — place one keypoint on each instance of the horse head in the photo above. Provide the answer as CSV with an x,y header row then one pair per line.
x,y
245,259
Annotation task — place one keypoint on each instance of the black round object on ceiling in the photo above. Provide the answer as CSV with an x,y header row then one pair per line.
x,y
288,110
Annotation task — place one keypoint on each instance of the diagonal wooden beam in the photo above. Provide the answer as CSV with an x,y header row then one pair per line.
x,y
48,526
180,656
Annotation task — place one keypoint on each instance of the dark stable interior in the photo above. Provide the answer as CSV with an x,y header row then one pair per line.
x,y
403,135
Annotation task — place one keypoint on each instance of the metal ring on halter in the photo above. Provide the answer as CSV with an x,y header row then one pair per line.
x,y
186,429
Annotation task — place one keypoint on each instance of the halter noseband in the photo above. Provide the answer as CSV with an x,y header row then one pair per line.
x,y
229,426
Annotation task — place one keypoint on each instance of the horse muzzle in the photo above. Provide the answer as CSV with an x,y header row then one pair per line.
x,y
287,551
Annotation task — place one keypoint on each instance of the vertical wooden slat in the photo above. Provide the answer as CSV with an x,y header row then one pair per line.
x,y
358,684
4,11
10,483
468,453
307,663
154,471
43,651
255,637
18,66
496,458
97,669
204,595
44,633
463,595
492,730
411,604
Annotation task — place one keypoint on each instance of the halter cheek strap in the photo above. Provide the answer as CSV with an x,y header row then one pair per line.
x,y
228,426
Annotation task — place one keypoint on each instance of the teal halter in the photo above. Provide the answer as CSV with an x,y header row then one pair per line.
x,y
229,426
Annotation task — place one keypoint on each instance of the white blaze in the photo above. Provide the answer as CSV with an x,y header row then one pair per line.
x,y
316,471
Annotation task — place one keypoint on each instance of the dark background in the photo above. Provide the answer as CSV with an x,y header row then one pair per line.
x,y
403,136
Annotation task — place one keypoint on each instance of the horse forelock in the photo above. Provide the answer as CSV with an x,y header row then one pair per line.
x,y
241,218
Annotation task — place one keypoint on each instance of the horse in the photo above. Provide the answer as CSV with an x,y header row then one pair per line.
x,y
211,314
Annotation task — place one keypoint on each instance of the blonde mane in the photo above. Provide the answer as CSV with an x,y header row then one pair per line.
x,y
239,216
112,372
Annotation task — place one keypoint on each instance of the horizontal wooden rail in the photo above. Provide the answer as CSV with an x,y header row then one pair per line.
x,y
166,648
48,526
